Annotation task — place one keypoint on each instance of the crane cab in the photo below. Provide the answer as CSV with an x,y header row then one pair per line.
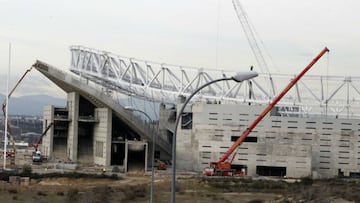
x,y
36,156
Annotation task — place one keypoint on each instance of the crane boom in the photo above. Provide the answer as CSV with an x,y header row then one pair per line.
x,y
269,107
4,108
250,36
37,156
42,135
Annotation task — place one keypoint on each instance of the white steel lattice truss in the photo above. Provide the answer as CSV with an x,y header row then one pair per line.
x,y
313,95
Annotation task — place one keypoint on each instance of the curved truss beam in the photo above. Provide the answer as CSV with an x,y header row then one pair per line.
x,y
315,94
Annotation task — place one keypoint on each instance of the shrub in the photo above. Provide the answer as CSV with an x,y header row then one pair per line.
x,y
307,181
102,193
40,193
26,169
256,201
259,185
72,194
12,191
59,193
308,194
140,192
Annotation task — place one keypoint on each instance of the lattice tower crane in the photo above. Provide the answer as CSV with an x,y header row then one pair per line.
x,y
251,36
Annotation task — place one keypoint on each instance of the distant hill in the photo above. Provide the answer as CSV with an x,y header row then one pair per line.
x,y
31,105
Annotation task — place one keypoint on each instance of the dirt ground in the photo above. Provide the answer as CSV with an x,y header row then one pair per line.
x,y
190,189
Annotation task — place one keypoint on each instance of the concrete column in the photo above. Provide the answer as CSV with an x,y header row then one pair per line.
x,y
146,156
126,156
48,139
251,169
72,142
102,136
185,153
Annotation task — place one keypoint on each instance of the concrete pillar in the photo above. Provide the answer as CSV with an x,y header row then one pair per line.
x,y
146,156
72,142
126,156
102,136
47,141
185,154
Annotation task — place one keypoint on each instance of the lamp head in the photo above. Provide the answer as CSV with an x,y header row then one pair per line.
x,y
129,108
244,75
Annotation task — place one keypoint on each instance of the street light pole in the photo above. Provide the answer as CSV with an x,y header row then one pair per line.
x,y
129,108
238,77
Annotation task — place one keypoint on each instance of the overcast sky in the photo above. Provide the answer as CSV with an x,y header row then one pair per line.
x,y
201,33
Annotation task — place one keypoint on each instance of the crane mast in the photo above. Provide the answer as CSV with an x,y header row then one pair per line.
x,y
250,34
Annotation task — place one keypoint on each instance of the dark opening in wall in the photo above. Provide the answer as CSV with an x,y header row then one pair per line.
x,y
271,171
242,168
86,108
117,153
340,173
186,121
247,139
157,154
136,157
169,136
354,174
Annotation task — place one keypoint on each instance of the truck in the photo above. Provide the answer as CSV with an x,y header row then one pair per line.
x,y
36,156
223,167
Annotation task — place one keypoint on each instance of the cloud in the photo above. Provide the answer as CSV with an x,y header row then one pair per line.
x,y
194,33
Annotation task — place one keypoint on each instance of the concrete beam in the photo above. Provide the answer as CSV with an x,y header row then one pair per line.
x,y
70,83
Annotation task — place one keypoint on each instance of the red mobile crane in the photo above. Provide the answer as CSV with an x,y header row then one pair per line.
x,y
223,167
36,155
12,153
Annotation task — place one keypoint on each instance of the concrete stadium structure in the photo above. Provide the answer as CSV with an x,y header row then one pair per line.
x,y
309,133
93,129
278,146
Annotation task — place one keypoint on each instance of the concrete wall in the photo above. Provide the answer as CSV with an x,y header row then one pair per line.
x,y
305,146
102,136
72,141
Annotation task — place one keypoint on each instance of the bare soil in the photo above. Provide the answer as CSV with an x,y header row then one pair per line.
x,y
190,189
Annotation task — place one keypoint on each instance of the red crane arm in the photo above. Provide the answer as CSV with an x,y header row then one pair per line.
x,y
42,135
4,107
269,107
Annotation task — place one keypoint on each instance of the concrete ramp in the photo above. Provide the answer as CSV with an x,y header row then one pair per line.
x,y
93,93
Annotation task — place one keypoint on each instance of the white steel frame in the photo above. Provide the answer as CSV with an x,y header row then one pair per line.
x,y
313,95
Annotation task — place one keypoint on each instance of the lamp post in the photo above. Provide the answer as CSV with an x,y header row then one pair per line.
x,y
130,108
238,77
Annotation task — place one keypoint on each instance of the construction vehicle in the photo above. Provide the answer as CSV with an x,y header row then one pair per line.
x,y
223,167
36,155
9,153
12,153
160,165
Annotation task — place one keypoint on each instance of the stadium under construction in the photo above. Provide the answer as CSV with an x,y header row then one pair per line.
x,y
313,131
